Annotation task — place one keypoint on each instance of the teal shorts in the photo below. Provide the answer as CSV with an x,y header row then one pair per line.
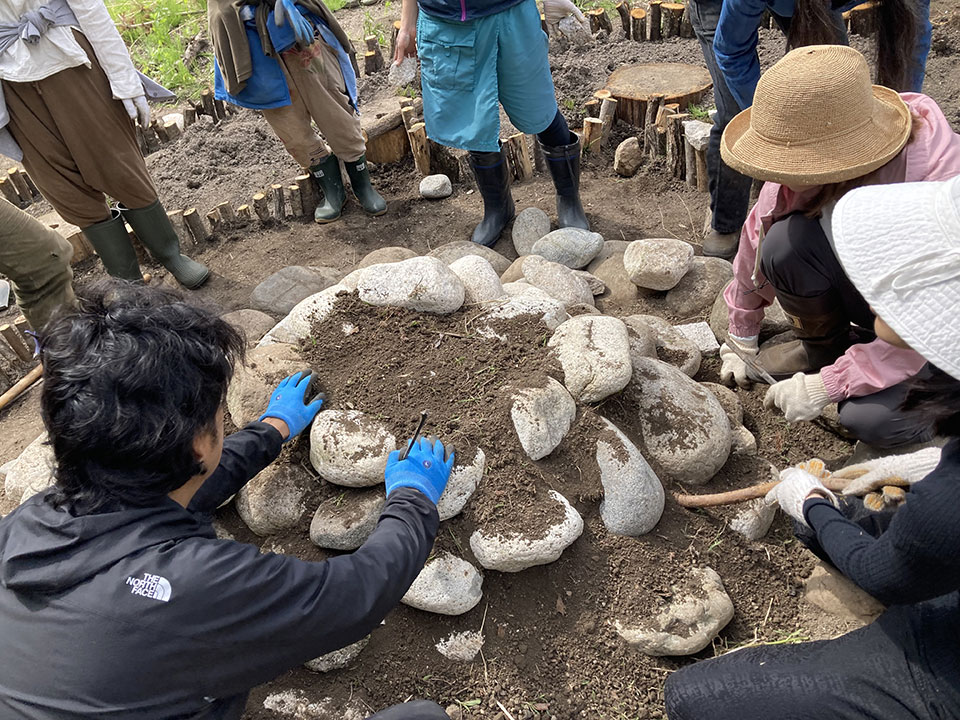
x,y
466,68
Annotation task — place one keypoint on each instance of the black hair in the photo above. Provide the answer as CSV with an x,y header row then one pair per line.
x,y
130,379
898,26
935,400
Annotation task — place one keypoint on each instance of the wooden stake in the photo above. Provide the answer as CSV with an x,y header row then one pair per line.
x,y
9,191
171,129
279,206
672,15
686,26
592,134
653,20
244,214
189,116
409,117
160,131
215,220
393,40
638,24
308,201
180,227
20,387
195,224
16,342
227,215
675,154
690,162
539,161
651,141
591,108
151,140
599,20
608,116
23,190
421,151
221,111
623,9
863,19
296,206
373,58
23,327
261,206
370,62
703,179
34,190
206,100
518,157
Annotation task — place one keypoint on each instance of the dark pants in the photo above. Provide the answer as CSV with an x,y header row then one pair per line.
x,y
797,258
416,710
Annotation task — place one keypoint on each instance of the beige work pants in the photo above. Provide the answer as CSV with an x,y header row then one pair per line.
x,y
317,92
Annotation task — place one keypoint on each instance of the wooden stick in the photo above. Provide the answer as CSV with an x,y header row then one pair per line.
x,y
261,206
16,342
308,200
34,190
599,20
180,227
638,24
592,134
623,9
206,101
608,116
672,15
9,191
835,483
189,116
651,143
421,151
21,387
653,20
518,157
295,203
690,162
23,190
195,224
279,206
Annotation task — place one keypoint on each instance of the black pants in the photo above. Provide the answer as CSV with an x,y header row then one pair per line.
x,y
416,710
797,258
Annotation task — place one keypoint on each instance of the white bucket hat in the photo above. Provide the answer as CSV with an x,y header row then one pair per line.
x,y
900,246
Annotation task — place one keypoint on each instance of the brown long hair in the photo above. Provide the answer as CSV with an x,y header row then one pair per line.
x,y
897,28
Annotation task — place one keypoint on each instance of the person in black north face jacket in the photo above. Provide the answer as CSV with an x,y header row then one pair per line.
x,y
116,598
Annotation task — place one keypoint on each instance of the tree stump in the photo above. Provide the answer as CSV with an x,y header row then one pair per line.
x,y
672,15
653,20
373,58
599,20
679,83
638,24
623,9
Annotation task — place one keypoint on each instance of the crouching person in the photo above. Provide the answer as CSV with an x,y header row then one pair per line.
x,y
116,597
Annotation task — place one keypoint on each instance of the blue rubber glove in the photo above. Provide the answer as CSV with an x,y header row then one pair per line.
x,y
427,469
302,28
289,403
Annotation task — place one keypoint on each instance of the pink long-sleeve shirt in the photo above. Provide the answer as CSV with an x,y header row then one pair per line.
x,y
933,154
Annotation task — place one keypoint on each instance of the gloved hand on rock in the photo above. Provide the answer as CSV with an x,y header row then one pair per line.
x,y
289,403
874,474
802,397
302,28
556,10
793,489
426,468
138,110
733,368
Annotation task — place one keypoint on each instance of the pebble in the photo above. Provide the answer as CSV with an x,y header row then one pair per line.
x,y
31,472
628,157
633,496
657,263
594,352
425,284
385,255
298,324
252,323
480,281
699,609
459,248
570,246
673,347
345,521
435,187
461,646
249,391
557,280
542,417
698,288
338,659
701,335
280,292
686,434
447,585
461,486
516,553
530,225
349,448
274,499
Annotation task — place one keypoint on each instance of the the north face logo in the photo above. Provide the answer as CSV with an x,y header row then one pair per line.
x,y
151,586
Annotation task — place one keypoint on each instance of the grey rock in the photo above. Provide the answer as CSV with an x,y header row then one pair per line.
x,y
833,593
280,292
425,284
252,383
673,347
701,335
436,187
596,285
514,272
557,280
530,225
518,552
574,32
582,309
594,352
298,324
774,320
252,323
628,157
459,248
542,417
697,133
31,472
570,246
447,585
338,659
609,249
345,521
463,482
349,448
697,290
642,338
551,312
699,609
632,493
274,499
389,254
621,293
480,281
522,287
686,434
657,263
742,440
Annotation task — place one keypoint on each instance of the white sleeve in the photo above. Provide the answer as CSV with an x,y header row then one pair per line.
x,y
96,25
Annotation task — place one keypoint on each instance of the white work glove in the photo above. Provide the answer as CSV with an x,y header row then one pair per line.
x,y
733,368
802,397
138,110
792,491
556,10
910,467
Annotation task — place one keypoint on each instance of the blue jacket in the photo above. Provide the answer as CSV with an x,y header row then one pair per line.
x,y
463,10
735,43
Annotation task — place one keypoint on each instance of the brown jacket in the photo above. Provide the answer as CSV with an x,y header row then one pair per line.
x,y
229,37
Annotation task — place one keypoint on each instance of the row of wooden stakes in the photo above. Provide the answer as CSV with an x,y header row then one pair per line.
x,y
18,188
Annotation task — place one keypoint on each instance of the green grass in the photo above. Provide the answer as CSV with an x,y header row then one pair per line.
x,y
699,113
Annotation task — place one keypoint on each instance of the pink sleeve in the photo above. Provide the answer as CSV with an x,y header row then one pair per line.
x,y
934,152
868,368
745,303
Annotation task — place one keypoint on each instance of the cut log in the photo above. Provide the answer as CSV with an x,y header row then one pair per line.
x,y
651,145
160,131
592,134
373,46
690,162
34,190
393,40
206,101
308,198
608,114
638,24
703,178
151,140
539,161
189,116
389,147
599,20
653,20
195,224
227,215
370,62
23,190
675,139
686,26
215,220
180,227
591,108
419,147
172,130
518,157
679,83
9,191
24,328
220,109
261,206
293,201
16,342
623,9
279,204
244,214
863,19
672,15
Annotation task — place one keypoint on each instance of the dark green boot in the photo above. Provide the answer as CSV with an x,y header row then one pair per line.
x,y
369,198
563,161
328,177
154,230
109,238
493,181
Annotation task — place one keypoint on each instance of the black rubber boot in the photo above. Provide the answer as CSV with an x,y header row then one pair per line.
x,y
490,170
109,238
564,164
369,198
154,230
328,177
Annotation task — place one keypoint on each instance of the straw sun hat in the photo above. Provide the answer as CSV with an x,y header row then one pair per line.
x,y
900,247
815,120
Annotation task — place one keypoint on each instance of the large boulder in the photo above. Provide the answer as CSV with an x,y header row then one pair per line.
x,y
280,292
274,499
480,281
350,448
556,280
673,347
594,352
424,284
657,263
460,248
551,312
345,521
252,323
31,472
621,293
463,482
252,383
632,493
570,246
686,434
542,417
447,585
298,324
529,226
697,290
384,255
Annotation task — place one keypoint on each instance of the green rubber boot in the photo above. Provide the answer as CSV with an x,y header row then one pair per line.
x,y
369,198
328,177
109,238
154,230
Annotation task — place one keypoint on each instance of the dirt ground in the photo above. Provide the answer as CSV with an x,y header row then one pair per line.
x,y
550,647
